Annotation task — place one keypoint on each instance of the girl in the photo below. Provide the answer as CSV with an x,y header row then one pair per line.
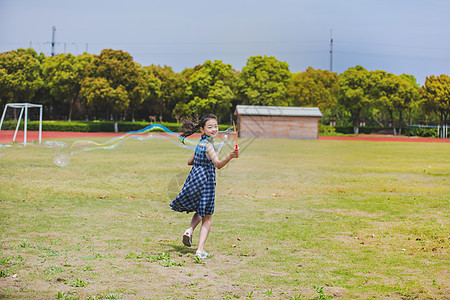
x,y
198,192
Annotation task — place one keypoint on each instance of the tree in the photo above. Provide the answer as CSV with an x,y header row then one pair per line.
x,y
99,93
395,94
20,75
172,89
145,88
264,80
354,92
436,96
317,88
182,109
114,81
211,89
64,75
408,97
188,72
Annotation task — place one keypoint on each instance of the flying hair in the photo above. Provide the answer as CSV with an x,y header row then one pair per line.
x,y
190,128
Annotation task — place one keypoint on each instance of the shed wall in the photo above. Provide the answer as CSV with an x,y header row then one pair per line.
x,y
278,127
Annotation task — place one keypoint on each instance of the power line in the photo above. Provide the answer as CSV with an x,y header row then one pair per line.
x,y
396,56
272,42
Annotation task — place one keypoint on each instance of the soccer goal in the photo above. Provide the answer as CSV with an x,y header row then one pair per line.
x,y
23,107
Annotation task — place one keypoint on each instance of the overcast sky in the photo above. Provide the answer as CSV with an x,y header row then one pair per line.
x,y
398,36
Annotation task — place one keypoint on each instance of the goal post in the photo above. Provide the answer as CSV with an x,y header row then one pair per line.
x,y
23,108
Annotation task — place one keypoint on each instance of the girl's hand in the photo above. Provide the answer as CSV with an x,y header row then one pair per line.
x,y
191,160
234,154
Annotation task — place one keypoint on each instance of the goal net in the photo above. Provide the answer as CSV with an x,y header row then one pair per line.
x,y
18,111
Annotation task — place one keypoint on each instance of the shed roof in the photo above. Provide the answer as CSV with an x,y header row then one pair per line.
x,y
278,111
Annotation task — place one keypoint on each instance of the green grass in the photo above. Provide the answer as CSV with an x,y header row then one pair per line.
x,y
294,220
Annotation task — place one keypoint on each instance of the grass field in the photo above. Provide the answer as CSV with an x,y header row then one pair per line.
x,y
294,220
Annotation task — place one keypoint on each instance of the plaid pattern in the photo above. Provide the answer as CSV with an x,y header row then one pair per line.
x,y
198,192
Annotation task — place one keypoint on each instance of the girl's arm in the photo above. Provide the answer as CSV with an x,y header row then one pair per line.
x,y
191,160
219,163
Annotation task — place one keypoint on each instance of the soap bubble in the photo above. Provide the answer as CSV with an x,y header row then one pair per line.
x,y
2,150
61,155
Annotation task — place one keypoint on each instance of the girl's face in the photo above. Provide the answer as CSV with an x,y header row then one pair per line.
x,y
211,128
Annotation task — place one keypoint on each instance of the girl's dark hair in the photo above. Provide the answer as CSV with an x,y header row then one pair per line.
x,y
190,128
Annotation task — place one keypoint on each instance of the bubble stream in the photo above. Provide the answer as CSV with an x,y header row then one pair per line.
x,y
62,151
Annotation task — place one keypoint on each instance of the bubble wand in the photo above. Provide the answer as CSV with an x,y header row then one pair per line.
x,y
236,147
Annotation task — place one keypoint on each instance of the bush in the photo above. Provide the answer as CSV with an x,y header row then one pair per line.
x,y
372,129
91,126
344,129
326,129
364,130
408,131
421,131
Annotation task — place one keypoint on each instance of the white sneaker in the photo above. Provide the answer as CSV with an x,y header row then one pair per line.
x,y
187,237
202,254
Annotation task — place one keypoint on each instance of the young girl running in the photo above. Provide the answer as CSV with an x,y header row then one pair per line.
x,y
198,192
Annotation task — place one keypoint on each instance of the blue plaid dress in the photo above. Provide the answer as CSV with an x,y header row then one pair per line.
x,y
198,192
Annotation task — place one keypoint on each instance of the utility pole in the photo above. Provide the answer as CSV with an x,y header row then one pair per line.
x,y
53,40
331,50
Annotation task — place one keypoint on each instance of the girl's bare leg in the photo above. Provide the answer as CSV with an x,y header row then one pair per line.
x,y
204,231
196,219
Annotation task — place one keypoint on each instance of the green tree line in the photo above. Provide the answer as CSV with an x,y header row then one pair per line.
x,y
112,86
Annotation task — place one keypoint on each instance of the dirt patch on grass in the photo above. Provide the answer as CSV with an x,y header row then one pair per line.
x,y
352,212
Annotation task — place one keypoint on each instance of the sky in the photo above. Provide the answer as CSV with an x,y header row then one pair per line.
x,y
397,36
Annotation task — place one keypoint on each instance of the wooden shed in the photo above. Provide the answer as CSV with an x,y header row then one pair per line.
x,y
278,122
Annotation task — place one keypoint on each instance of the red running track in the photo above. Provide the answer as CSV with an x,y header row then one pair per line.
x,y
6,137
